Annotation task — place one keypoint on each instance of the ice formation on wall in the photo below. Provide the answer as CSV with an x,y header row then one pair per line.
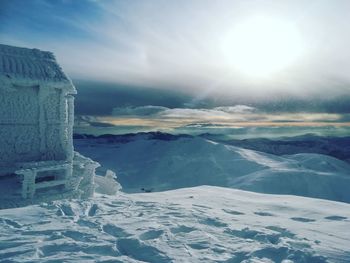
x,y
36,127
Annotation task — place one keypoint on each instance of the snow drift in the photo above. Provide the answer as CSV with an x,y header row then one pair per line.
x,y
203,224
171,163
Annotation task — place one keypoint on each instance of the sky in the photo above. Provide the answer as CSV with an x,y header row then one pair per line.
x,y
156,62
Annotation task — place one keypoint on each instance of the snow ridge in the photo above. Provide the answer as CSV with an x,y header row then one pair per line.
x,y
170,164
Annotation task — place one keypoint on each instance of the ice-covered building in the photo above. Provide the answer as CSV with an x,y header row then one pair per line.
x,y
37,160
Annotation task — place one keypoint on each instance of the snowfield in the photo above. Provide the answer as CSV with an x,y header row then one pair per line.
x,y
171,162
198,224
201,224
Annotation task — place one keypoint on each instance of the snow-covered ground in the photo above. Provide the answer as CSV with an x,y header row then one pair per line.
x,y
170,162
201,224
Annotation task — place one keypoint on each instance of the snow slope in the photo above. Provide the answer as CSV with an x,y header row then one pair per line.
x,y
163,164
338,147
202,224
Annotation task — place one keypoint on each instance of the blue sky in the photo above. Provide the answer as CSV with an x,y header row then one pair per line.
x,y
155,53
39,20
176,44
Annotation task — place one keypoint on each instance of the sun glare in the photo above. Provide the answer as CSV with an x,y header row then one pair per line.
x,y
262,46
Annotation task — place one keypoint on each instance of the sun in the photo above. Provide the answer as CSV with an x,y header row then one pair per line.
x,y
262,46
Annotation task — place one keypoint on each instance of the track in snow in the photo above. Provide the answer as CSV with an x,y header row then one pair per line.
x,y
202,224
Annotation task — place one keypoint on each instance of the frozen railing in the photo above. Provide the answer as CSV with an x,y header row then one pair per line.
x,y
44,181
46,174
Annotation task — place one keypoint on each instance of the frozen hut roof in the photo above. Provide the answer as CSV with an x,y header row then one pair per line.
x,y
24,66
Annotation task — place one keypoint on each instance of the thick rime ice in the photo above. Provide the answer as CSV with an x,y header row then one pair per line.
x,y
107,184
36,124
30,65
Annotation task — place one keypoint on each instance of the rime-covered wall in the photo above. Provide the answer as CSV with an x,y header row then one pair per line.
x,y
19,116
34,124
36,130
53,124
36,108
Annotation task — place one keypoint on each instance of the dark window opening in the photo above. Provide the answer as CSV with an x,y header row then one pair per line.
x,y
46,178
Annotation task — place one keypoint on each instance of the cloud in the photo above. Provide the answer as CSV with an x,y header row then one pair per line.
x,y
236,109
228,115
230,120
179,44
148,110
184,113
90,121
190,125
227,112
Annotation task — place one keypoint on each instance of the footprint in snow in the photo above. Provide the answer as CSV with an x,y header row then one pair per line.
x,y
151,234
232,212
284,253
9,222
12,244
7,256
199,245
283,231
118,203
65,210
54,249
173,214
303,219
182,229
262,237
173,207
114,231
202,206
86,223
336,218
47,232
213,222
93,209
263,214
78,236
146,204
44,222
138,250
277,254
111,205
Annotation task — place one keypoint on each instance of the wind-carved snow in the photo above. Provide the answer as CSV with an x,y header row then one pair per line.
x,y
160,165
262,159
202,224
